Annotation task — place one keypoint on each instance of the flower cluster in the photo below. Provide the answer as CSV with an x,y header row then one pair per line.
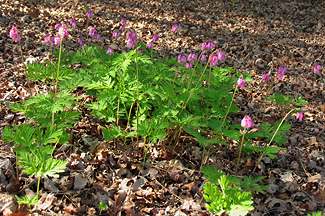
x,y
181,59
282,69
14,33
73,22
62,33
89,13
133,39
208,46
92,33
213,58
192,57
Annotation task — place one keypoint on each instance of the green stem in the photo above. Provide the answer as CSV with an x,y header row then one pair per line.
x,y
224,120
240,150
57,80
100,52
38,185
189,84
209,84
22,58
259,160
185,78
137,68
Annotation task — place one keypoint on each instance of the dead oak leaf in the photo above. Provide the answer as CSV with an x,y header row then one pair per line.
x,y
319,178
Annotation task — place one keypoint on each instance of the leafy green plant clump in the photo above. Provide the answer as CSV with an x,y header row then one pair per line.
x,y
156,98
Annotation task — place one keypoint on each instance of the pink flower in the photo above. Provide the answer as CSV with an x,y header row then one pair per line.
x,y
122,28
210,45
203,57
116,34
213,60
110,51
155,38
89,13
221,55
47,39
57,26
241,82
265,77
133,39
80,41
139,51
57,40
174,28
131,44
97,36
204,46
181,59
92,31
73,22
300,116
247,122
149,45
282,69
192,57
317,68
14,33
188,65
63,31
123,21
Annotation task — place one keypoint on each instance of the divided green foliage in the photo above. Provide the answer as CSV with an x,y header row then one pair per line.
x,y
33,151
224,193
300,102
315,214
267,131
281,99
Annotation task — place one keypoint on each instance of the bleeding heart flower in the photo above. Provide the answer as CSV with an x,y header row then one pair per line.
x,y
203,57
241,82
80,41
155,38
174,28
300,116
124,21
73,22
89,13
110,51
116,34
265,77
317,68
14,33
92,31
247,122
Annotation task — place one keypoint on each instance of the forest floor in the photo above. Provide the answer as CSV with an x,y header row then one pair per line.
x,y
257,36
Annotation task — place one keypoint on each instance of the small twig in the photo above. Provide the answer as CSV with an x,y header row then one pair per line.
x,y
168,190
